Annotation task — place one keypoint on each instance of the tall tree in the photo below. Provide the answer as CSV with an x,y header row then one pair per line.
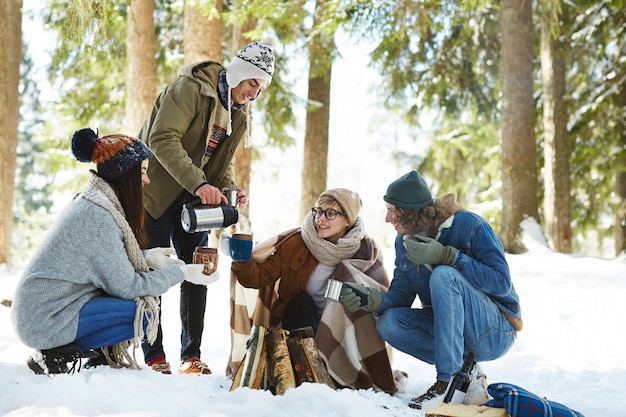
x,y
141,67
620,180
243,155
254,20
321,55
519,154
557,203
10,58
202,31
439,63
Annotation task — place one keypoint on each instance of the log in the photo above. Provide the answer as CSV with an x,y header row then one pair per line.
x,y
460,410
251,372
277,360
318,367
280,375
307,363
301,366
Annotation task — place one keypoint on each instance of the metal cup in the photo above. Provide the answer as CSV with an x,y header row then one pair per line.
x,y
231,194
333,289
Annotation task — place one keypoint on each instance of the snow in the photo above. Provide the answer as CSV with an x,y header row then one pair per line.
x,y
569,351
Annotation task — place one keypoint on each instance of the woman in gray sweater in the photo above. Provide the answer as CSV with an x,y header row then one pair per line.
x,y
90,285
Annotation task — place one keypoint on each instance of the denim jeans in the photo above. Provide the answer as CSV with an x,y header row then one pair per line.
x,y
192,297
105,321
462,319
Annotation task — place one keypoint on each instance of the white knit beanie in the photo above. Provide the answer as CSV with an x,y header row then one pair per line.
x,y
253,61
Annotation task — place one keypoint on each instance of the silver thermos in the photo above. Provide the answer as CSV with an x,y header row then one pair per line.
x,y
196,217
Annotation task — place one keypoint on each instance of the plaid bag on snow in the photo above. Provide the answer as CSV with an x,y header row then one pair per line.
x,y
520,403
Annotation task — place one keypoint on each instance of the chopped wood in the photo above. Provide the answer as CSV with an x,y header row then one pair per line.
x,y
280,375
318,367
299,360
302,332
277,360
460,410
251,372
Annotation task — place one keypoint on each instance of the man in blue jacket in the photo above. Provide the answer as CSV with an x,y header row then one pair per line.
x,y
452,260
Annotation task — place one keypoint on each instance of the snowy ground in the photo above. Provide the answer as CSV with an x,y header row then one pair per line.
x,y
569,352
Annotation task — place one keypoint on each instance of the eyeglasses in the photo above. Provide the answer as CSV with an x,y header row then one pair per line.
x,y
329,213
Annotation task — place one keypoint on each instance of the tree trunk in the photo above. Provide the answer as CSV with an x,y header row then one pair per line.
x,y
557,203
315,161
10,59
519,155
141,64
620,169
243,156
202,34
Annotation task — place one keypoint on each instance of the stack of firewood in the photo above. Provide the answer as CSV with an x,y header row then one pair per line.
x,y
277,360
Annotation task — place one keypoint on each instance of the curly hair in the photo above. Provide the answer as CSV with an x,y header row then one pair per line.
x,y
425,221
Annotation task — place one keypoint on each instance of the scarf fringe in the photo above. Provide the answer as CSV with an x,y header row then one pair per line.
x,y
118,356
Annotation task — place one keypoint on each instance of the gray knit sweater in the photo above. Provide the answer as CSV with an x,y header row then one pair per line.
x,y
81,256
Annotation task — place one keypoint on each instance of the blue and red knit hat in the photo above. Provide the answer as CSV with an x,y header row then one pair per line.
x,y
113,154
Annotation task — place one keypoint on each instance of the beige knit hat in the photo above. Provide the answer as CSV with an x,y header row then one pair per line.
x,y
350,202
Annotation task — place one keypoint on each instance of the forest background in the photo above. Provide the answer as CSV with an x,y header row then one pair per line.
x,y
519,107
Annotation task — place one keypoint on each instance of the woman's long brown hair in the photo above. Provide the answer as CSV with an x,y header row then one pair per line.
x,y
129,190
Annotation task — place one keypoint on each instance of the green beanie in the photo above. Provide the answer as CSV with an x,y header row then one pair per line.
x,y
409,192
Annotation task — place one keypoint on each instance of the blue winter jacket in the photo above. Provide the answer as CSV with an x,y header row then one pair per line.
x,y
480,259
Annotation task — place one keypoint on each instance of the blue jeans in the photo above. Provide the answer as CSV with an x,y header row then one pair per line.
x,y
105,321
192,297
462,319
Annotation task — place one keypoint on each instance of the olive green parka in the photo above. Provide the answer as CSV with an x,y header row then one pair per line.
x,y
177,132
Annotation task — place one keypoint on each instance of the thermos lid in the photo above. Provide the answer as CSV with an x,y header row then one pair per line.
x,y
188,218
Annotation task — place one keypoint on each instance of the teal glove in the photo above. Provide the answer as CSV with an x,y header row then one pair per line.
x,y
359,297
424,250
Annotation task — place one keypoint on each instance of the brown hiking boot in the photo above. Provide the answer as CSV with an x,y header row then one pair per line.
x,y
193,366
433,396
161,365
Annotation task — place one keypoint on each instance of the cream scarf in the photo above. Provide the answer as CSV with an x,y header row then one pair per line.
x,y
327,252
99,192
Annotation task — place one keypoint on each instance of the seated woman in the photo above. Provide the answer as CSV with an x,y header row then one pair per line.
x,y
291,272
89,286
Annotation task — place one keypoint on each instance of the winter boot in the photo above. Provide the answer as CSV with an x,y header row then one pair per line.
x,y
98,358
55,360
433,396
477,393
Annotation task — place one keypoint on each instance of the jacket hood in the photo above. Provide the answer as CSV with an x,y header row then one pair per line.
x,y
207,85
449,202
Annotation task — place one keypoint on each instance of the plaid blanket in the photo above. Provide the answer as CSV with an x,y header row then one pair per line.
x,y
353,351
520,403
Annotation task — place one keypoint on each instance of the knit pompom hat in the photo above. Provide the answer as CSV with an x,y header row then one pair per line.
x,y
253,61
350,202
409,191
113,154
